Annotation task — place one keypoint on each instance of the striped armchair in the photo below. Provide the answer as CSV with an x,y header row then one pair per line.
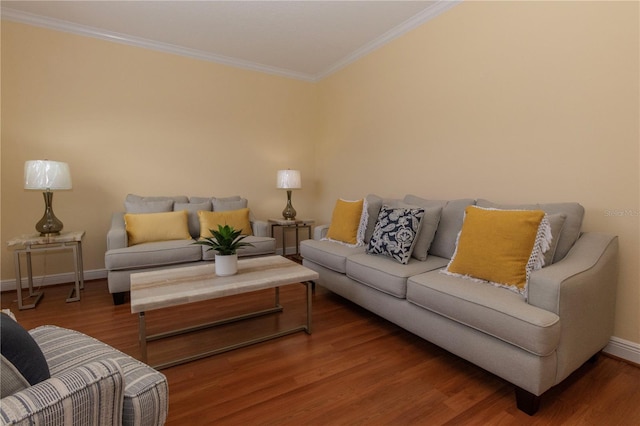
x,y
91,383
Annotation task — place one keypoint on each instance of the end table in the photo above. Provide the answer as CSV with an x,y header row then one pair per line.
x,y
297,225
31,243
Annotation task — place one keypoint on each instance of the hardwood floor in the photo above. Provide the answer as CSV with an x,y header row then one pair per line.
x,y
355,369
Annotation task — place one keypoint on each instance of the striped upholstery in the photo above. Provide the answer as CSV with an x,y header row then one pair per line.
x,y
87,395
146,392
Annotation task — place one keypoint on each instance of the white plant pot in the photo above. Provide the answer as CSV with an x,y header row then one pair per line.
x,y
226,264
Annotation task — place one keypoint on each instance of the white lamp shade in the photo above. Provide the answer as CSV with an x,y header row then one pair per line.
x,y
289,179
46,175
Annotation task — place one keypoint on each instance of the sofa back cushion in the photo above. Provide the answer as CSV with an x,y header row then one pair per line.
x,y
451,217
570,228
192,209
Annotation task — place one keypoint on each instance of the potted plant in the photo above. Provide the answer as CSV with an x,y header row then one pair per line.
x,y
225,241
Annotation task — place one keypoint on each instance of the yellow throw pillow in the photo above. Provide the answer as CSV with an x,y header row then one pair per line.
x,y
345,221
238,219
149,227
501,246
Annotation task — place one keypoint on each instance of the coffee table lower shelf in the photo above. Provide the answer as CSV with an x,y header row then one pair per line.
x,y
144,339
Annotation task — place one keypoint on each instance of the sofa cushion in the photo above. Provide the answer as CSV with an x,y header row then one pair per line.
x,y
149,206
396,232
139,198
150,227
387,275
23,363
557,223
346,221
373,205
444,242
238,219
570,230
329,254
229,203
261,245
192,209
152,254
501,246
502,314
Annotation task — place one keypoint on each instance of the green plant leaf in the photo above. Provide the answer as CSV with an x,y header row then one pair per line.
x,y
225,240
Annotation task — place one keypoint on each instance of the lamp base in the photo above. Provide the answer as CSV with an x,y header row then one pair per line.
x,y
49,224
289,213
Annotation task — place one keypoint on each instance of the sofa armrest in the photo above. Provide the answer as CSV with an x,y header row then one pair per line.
x,y
90,394
117,234
261,228
581,289
320,232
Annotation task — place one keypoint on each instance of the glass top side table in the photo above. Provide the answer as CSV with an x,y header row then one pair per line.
x,y
31,243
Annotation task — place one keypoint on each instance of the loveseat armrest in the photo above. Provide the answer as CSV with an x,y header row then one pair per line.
x,y
261,228
117,234
581,289
88,395
320,232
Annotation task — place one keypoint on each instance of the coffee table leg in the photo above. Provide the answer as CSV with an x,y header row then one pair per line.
x,y
142,336
277,305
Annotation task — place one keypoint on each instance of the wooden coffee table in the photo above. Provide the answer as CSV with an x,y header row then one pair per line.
x,y
171,287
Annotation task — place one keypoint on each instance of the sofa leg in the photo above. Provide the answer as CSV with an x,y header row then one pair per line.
x,y
118,298
594,358
527,402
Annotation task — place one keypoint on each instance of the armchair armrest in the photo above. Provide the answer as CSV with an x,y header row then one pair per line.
x,y
581,289
117,234
320,231
91,394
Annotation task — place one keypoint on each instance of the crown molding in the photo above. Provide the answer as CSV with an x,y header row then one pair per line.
x,y
427,14
69,27
83,30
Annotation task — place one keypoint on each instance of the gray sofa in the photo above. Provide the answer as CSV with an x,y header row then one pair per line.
x,y
122,260
533,343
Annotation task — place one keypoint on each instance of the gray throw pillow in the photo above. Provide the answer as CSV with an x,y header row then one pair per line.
x,y
148,206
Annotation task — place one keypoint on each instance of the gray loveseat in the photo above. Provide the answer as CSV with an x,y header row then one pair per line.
x,y
533,343
121,259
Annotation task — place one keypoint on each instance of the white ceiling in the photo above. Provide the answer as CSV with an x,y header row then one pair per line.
x,y
302,39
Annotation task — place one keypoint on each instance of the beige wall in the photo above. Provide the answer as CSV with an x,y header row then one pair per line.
x,y
133,120
514,102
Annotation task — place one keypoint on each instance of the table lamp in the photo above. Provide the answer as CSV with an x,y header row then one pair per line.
x,y
47,176
289,179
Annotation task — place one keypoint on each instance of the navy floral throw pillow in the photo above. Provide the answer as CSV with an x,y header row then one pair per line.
x,y
395,232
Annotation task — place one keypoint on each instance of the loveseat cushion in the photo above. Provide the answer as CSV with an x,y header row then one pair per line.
x,y
152,254
261,245
387,275
329,254
192,208
484,307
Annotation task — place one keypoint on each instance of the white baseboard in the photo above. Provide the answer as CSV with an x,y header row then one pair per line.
x,y
6,285
624,349
620,348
